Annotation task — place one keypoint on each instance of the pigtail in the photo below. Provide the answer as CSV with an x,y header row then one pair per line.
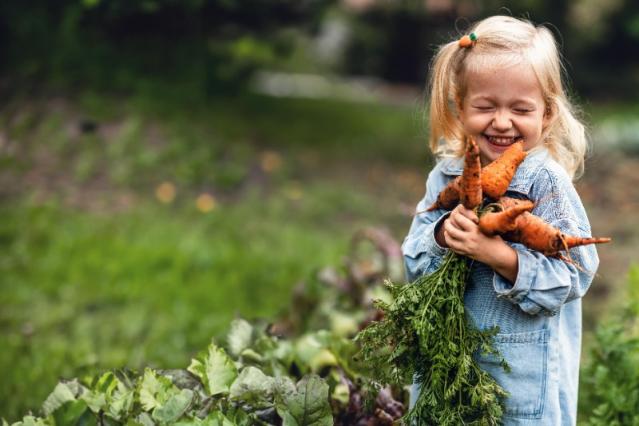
x,y
443,123
567,140
565,136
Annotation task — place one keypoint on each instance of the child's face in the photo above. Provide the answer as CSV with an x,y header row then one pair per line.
x,y
502,106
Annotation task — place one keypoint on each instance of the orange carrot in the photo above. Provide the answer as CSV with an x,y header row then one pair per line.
x,y
497,175
495,178
570,241
509,202
533,232
500,222
516,224
448,197
470,185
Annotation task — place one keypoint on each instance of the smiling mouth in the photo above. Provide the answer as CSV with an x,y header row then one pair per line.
x,y
502,140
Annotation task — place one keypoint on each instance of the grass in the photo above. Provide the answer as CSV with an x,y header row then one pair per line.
x,y
84,291
137,141
96,273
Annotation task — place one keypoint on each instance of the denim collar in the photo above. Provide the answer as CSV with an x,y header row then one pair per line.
x,y
524,176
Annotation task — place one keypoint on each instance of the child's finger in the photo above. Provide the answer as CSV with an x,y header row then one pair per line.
x,y
453,232
455,244
450,241
461,219
468,213
464,223
456,213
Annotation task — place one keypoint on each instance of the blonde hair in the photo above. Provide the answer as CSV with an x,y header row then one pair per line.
x,y
503,41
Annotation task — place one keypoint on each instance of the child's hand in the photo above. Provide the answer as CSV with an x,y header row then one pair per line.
x,y
461,234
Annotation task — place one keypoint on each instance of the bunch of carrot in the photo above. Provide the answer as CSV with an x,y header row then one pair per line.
x,y
508,217
492,180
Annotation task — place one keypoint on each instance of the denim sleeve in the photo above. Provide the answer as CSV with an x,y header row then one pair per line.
x,y
543,283
421,252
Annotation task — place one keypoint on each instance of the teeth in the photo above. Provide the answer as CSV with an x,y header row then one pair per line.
x,y
501,140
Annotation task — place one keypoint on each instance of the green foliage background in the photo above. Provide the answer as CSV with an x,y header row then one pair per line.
x,y
97,273
104,100
212,46
610,379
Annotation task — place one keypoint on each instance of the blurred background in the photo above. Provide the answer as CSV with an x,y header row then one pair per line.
x,y
167,165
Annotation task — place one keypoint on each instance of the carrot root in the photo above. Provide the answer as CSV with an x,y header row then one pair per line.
x,y
470,185
571,241
497,175
495,178
493,223
449,197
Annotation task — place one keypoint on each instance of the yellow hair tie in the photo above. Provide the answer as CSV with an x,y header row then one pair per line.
x,y
467,40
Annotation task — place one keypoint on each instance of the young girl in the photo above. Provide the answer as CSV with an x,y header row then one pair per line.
x,y
500,85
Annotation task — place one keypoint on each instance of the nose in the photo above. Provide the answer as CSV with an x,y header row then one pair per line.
x,y
501,121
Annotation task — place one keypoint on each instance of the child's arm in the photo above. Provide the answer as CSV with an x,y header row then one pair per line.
x,y
422,253
544,283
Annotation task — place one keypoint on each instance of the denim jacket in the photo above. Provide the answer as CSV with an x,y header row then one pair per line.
x,y
539,316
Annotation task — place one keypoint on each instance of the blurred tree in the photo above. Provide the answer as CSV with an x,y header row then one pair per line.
x,y
395,40
390,42
213,46
606,45
119,43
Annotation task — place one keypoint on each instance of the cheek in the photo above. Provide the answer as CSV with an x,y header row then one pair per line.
x,y
474,123
532,139
534,127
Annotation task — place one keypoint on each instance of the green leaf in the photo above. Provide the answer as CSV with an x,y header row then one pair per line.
x,y
31,421
217,370
155,390
106,384
344,324
174,407
63,393
215,418
95,401
304,404
341,393
239,337
312,353
284,352
145,420
288,419
183,379
121,402
252,385
71,412
249,355
198,369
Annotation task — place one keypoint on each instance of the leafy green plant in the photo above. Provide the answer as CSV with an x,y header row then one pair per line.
x,y
259,377
424,334
610,381
248,385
